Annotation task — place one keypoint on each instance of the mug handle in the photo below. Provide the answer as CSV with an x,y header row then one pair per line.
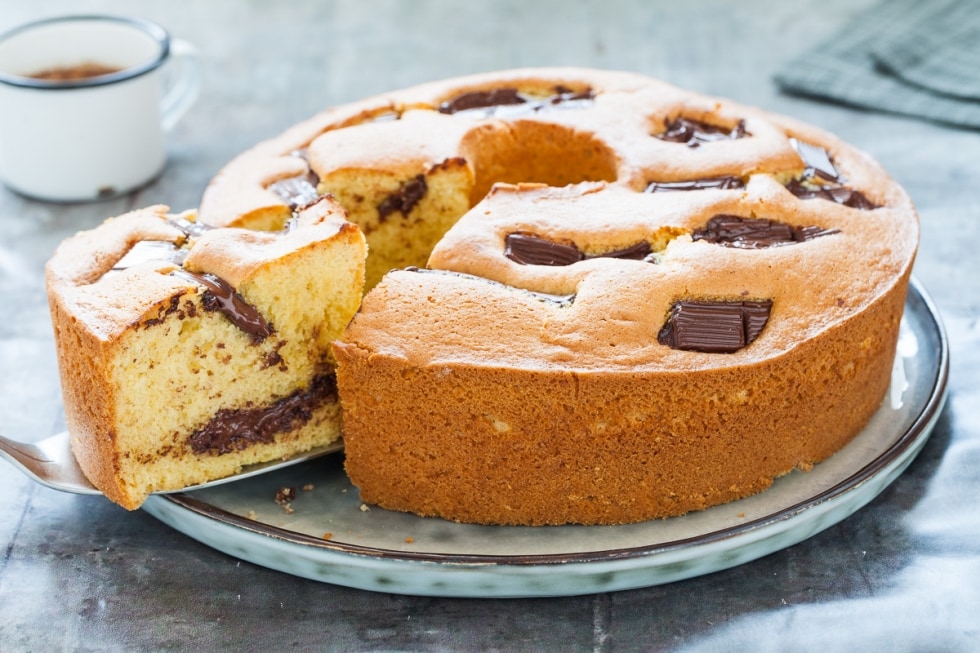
x,y
184,91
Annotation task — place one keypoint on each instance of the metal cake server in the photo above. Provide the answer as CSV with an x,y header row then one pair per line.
x,y
51,463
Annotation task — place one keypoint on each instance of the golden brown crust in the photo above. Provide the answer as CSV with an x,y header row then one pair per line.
x,y
541,441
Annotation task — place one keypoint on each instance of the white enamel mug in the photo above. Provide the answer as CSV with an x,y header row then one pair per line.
x,y
92,137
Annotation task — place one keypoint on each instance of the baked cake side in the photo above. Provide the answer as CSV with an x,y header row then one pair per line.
x,y
509,405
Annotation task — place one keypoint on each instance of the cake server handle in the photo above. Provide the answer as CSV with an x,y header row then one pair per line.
x,y
49,462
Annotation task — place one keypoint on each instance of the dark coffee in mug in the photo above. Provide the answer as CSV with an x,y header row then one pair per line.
x,y
72,73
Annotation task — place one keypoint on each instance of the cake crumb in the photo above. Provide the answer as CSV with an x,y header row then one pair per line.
x,y
328,536
308,487
284,497
251,515
409,539
365,508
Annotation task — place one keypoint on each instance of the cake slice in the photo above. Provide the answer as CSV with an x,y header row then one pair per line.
x,y
187,352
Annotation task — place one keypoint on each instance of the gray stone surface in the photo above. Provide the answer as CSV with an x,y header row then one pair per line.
x,y
80,574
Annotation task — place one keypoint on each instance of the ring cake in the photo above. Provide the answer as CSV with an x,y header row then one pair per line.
x,y
649,301
591,297
187,352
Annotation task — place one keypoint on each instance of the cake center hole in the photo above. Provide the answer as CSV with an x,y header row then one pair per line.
x,y
530,152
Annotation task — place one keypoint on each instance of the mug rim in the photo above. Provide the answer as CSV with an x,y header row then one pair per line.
x,y
152,29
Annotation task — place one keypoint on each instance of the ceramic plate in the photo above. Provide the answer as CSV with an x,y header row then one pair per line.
x,y
327,534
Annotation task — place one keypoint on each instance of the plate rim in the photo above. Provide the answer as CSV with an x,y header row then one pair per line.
x,y
893,459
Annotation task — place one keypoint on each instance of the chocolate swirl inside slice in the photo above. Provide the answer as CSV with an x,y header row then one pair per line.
x,y
405,198
237,429
220,296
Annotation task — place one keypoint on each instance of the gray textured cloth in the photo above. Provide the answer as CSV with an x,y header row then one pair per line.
x,y
918,58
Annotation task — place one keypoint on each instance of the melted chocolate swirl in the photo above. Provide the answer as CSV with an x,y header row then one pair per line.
x,y
220,296
234,430
405,198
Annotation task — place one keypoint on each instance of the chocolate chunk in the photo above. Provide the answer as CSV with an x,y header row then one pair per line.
x,y
637,252
819,164
482,100
533,250
297,192
220,296
755,233
856,200
714,327
568,99
803,234
405,199
274,359
487,102
188,228
285,494
234,430
816,159
164,310
145,251
750,233
723,183
756,316
840,194
695,132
